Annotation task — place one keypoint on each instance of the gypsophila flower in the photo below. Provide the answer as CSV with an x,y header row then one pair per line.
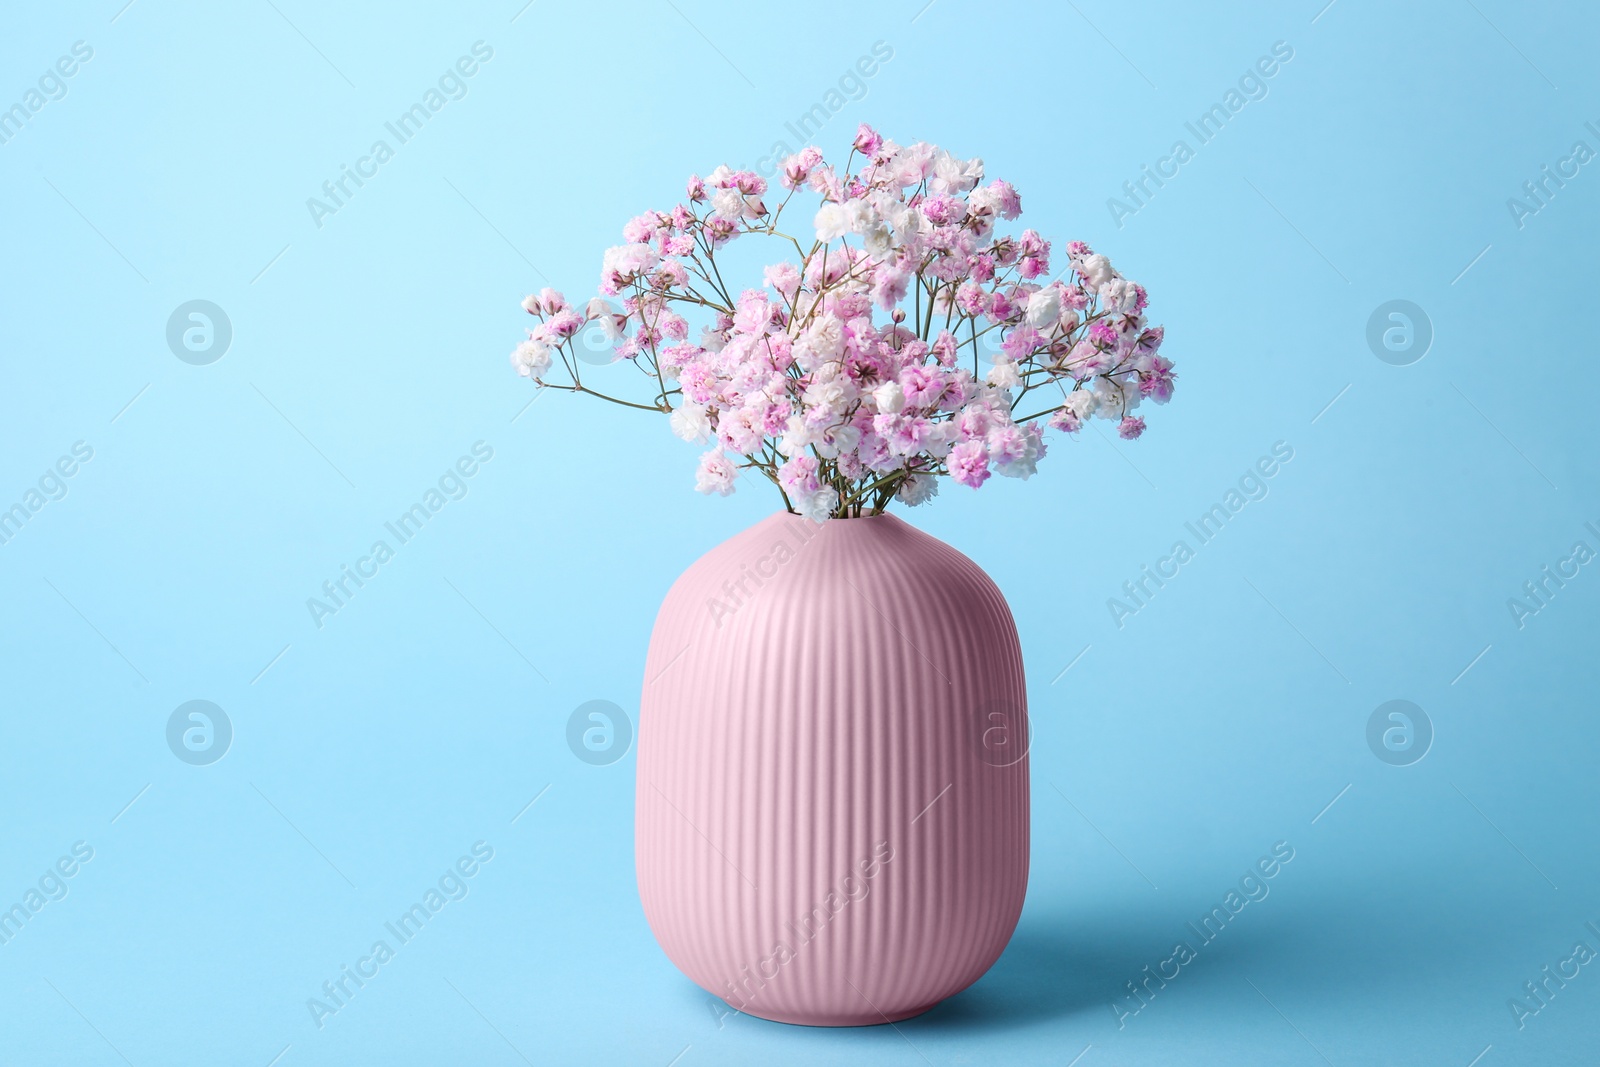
x,y
716,473
531,358
854,374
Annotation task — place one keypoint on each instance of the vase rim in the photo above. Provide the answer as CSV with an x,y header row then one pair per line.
x,y
836,518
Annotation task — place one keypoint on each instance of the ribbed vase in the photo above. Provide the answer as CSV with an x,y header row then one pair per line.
x,y
832,813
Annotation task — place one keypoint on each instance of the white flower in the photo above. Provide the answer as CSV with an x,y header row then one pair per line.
x,y
835,439
733,205
817,506
912,163
983,201
1080,402
607,315
712,340
796,436
832,222
530,303
531,358
904,219
952,175
716,473
1044,307
830,396
691,423
728,204
627,260
917,489
1119,294
1004,374
941,439
876,238
1096,270
823,339
890,397
1111,401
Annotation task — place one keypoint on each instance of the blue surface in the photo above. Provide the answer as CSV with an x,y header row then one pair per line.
x,y
368,355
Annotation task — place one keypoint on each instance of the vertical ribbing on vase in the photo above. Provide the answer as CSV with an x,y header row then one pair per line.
x,y
829,710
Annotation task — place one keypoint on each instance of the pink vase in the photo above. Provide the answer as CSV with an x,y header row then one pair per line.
x,y
832,812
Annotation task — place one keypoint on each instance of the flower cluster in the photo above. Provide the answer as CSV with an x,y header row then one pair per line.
x,y
904,343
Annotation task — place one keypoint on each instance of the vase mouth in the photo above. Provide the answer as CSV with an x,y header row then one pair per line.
x,y
836,518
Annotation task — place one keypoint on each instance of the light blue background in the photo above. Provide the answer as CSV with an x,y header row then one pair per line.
x,y
370,353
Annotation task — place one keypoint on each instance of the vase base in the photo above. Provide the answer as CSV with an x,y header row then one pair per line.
x,y
868,1018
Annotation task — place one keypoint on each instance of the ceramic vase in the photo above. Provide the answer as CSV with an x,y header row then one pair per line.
x,y
832,805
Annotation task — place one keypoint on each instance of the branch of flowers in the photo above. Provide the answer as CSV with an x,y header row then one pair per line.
x,y
1002,273
847,276
822,287
1053,376
576,388
1037,368
773,216
1065,392
916,307
769,468
888,479
933,304
705,247
689,295
722,286
655,361
700,273
562,352
770,228
881,501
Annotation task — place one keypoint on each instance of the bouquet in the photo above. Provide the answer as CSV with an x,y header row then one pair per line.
x,y
906,341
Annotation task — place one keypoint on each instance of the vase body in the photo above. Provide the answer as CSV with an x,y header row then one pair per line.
x,y
832,800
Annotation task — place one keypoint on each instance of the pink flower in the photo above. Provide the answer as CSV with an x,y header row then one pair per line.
x,y
1066,421
1157,384
969,465
1022,452
944,209
783,277
1007,444
868,140
564,324
905,435
643,227
921,386
1010,202
1130,427
889,287
1001,309
799,475
753,313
